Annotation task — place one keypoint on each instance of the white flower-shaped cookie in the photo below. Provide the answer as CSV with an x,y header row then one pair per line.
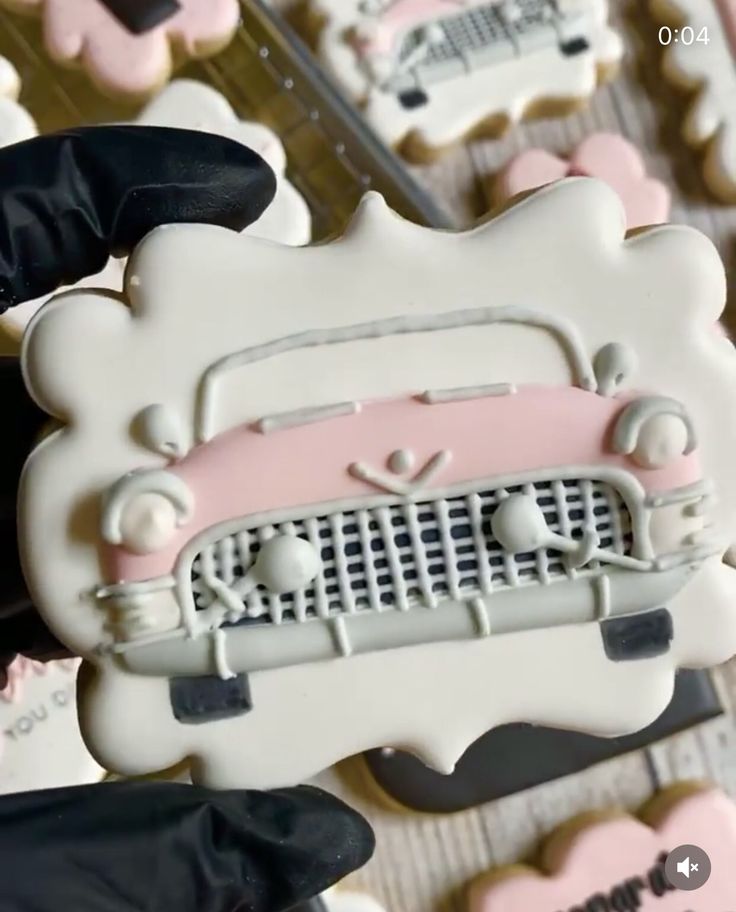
x,y
193,105
16,124
706,66
132,53
40,742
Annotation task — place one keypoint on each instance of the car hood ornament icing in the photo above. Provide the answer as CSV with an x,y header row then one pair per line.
x,y
394,511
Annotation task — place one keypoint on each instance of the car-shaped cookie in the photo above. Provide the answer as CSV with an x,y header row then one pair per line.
x,y
515,508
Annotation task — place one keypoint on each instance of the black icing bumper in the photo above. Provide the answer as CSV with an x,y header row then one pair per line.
x,y
638,636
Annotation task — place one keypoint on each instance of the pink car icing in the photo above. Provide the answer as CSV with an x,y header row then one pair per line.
x,y
606,156
85,31
244,471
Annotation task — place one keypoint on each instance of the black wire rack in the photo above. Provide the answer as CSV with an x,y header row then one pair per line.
x,y
268,75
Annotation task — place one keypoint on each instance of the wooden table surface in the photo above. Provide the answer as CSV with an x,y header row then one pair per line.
x,y
423,862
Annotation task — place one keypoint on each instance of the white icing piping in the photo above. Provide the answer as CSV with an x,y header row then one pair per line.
x,y
460,394
306,416
144,481
398,485
566,332
696,491
626,485
626,432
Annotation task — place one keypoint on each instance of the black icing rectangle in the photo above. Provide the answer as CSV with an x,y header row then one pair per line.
x,y
516,757
140,16
208,698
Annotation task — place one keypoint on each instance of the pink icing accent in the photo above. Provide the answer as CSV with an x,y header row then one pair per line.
x,y
608,157
243,471
608,854
134,64
727,9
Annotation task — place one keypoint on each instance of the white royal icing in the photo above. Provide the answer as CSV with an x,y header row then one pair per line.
x,y
224,329
193,105
708,69
40,742
504,77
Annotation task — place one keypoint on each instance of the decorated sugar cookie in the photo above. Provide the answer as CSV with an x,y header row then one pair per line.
x,y
16,124
616,863
15,320
430,72
291,483
40,742
193,105
129,48
604,155
700,56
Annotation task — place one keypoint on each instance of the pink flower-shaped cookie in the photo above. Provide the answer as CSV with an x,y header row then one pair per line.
x,y
607,156
617,863
123,61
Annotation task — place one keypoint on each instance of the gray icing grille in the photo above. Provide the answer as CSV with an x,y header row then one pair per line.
x,y
477,37
394,557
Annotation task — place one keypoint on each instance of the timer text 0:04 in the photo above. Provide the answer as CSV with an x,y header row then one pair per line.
x,y
686,35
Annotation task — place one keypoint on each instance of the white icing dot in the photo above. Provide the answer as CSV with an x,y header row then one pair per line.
x,y
401,461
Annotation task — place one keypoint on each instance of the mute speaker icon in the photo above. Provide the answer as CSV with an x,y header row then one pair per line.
x,y
683,867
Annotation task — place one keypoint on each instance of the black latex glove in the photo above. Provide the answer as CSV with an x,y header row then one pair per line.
x,y
162,847
66,203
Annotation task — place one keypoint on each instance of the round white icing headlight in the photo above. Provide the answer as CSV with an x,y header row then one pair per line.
x,y
662,439
143,510
147,523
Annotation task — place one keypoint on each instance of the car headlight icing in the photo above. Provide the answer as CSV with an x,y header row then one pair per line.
x,y
662,439
654,431
143,509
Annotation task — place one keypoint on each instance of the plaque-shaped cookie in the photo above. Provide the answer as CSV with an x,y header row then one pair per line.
x,y
391,490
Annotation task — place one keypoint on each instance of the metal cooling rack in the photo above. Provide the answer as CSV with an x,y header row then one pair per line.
x,y
268,75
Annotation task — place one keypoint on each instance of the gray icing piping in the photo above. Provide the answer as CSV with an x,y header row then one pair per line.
x,y
614,364
143,481
267,646
565,331
195,624
306,416
398,485
462,393
160,430
629,424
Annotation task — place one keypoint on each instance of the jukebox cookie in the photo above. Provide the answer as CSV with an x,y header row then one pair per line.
x,y
16,124
607,156
130,48
40,742
700,56
189,104
429,73
616,862
252,533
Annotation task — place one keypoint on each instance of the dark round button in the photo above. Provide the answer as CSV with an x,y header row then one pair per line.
x,y
687,867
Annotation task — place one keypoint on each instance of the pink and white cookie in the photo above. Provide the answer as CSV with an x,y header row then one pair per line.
x,y
428,73
40,742
700,57
615,862
607,156
289,482
193,105
130,48
16,124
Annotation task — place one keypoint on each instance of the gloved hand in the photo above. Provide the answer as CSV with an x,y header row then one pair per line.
x,y
66,203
